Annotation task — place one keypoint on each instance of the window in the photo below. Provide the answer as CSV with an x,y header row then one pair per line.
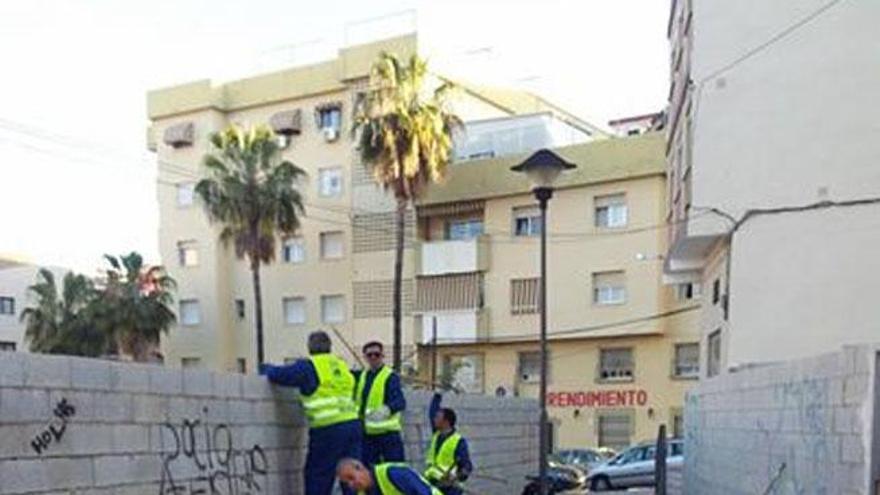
x,y
615,431
7,306
331,245
609,288
330,182
7,346
188,253
713,360
677,429
241,365
294,310
616,365
610,211
190,313
239,308
716,291
688,291
330,118
185,194
293,250
524,296
529,366
462,230
333,309
687,360
526,221
190,362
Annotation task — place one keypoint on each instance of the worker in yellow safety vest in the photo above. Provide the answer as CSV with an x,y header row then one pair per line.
x,y
448,460
326,389
390,478
380,401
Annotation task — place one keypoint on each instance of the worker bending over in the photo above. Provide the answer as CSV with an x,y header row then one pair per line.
x,y
380,403
448,460
326,389
383,479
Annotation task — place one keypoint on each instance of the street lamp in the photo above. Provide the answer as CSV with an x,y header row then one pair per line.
x,y
542,169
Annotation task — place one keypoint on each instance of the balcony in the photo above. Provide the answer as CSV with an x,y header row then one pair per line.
x,y
454,326
445,257
690,243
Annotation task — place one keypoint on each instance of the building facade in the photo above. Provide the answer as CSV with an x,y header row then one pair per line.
x,y
772,175
624,348
15,279
337,272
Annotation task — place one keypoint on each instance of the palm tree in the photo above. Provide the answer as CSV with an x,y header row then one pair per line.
x,y
135,305
254,194
404,135
63,322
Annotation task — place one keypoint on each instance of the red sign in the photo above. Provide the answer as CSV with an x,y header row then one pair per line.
x,y
598,398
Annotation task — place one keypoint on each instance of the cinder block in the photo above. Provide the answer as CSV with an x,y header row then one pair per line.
x,y
24,476
43,370
130,377
89,374
198,383
852,451
131,438
24,405
82,402
150,408
12,369
123,469
166,381
87,439
855,389
227,385
255,387
114,408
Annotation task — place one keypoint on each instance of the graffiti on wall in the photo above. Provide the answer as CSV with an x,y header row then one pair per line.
x,y
208,450
56,427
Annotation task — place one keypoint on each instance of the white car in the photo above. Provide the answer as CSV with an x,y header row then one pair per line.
x,y
633,467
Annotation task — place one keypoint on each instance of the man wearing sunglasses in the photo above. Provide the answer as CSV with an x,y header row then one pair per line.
x,y
380,402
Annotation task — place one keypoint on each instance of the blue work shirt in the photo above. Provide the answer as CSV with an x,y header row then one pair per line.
x,y
300,374
407,482
394,398
462,454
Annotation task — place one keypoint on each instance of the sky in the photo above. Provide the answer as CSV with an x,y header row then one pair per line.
x,y
76,180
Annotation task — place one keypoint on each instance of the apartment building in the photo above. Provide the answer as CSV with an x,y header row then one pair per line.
x,y
15,279
773,176
624,348
337,272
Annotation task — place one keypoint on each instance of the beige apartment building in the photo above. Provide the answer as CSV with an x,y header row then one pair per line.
x,y
773,177
337,273
623,347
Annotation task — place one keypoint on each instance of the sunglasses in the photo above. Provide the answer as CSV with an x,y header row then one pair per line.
x,y
373,354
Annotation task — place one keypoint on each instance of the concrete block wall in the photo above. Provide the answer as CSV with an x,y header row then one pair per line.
x,y
81,426
801,427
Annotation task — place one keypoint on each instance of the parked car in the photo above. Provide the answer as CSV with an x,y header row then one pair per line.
x,y
562,478
633,467
586,459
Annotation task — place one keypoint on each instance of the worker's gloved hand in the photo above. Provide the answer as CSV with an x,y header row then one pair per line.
x,y
449,479
380,414
463,475
263,369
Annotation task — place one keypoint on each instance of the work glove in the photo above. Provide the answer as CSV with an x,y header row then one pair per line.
x,y
380,414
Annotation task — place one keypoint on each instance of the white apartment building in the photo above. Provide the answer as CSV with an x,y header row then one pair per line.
x,y
15,279
772,165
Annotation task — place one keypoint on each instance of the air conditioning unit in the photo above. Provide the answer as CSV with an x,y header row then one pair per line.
x,y
330,134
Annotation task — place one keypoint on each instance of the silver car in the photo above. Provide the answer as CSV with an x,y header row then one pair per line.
x,y
633,467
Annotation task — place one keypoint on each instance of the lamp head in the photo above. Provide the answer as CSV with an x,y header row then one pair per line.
x,y
543,168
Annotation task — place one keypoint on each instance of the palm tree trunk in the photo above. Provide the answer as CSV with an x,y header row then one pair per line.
x,y
258,308
398,283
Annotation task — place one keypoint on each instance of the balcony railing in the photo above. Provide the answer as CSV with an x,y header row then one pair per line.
x,y
444,257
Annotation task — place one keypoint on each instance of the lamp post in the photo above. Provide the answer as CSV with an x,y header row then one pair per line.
x,y
542,169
